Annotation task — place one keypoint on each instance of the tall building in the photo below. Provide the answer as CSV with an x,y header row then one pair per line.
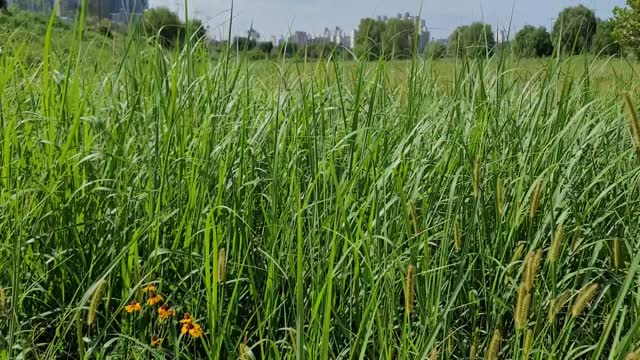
x,y
352,40
116,10
299,38
501,36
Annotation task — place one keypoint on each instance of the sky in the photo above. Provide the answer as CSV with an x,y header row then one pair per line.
x,y
276,17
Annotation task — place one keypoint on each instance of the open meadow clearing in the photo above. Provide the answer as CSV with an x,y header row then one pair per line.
x,y
165,204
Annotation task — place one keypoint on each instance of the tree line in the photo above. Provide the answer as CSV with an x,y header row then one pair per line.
x,y
576,30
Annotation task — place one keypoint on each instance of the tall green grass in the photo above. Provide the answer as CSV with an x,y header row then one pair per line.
x,y
355,213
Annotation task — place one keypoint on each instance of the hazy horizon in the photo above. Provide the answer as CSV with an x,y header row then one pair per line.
x,y
276,17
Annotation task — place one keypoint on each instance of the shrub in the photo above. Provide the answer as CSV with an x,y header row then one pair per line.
x,y
604,42
436,50
532,42
574,29
472,40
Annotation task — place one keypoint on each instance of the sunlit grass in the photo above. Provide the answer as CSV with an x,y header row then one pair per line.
x,y
385,210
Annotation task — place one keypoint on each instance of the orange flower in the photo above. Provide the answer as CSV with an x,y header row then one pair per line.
x,y
186,319
149,289
156,341
165,312
193,329
154,299
133,307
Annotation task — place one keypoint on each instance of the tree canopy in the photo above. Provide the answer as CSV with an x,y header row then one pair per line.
x,y
166,26
532,42
436,50
574,29
604,42
627,26
472,40
394,38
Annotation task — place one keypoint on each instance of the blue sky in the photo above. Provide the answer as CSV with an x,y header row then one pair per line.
x,y
274,17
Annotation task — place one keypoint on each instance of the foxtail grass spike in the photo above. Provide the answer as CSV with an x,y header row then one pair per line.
x,y
494,345
433,355
535,198
531,268
410,283
522,307
95,300
528,344
3,299
634,355
634,123
557,305
500,197
457,237
556,244
222,265
584,299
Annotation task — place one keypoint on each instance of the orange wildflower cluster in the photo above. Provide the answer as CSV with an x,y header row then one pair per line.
x,y
156,341
190,326
165,312
134,306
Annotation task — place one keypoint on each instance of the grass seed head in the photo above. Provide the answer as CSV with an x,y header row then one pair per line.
x,y
522,307
634,123
531,268
500,196
528,344
557,305
584,299
434,354
635,355
457,237
535,198
3,299
95,300
410,294
494,345
222,265
556,244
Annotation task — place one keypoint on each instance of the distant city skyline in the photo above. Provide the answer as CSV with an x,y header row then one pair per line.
x,y
282,17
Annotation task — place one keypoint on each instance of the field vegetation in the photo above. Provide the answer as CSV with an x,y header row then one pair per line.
x,y
160,202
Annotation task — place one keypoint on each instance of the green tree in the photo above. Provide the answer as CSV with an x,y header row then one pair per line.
x,y
436,50
574,29
3,4
163,24
197,29
243,43
369,38
627,26
473,40
532,42
397,40
288,49
604,42
266,47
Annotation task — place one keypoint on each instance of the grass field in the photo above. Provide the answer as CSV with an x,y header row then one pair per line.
x,y
325,210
